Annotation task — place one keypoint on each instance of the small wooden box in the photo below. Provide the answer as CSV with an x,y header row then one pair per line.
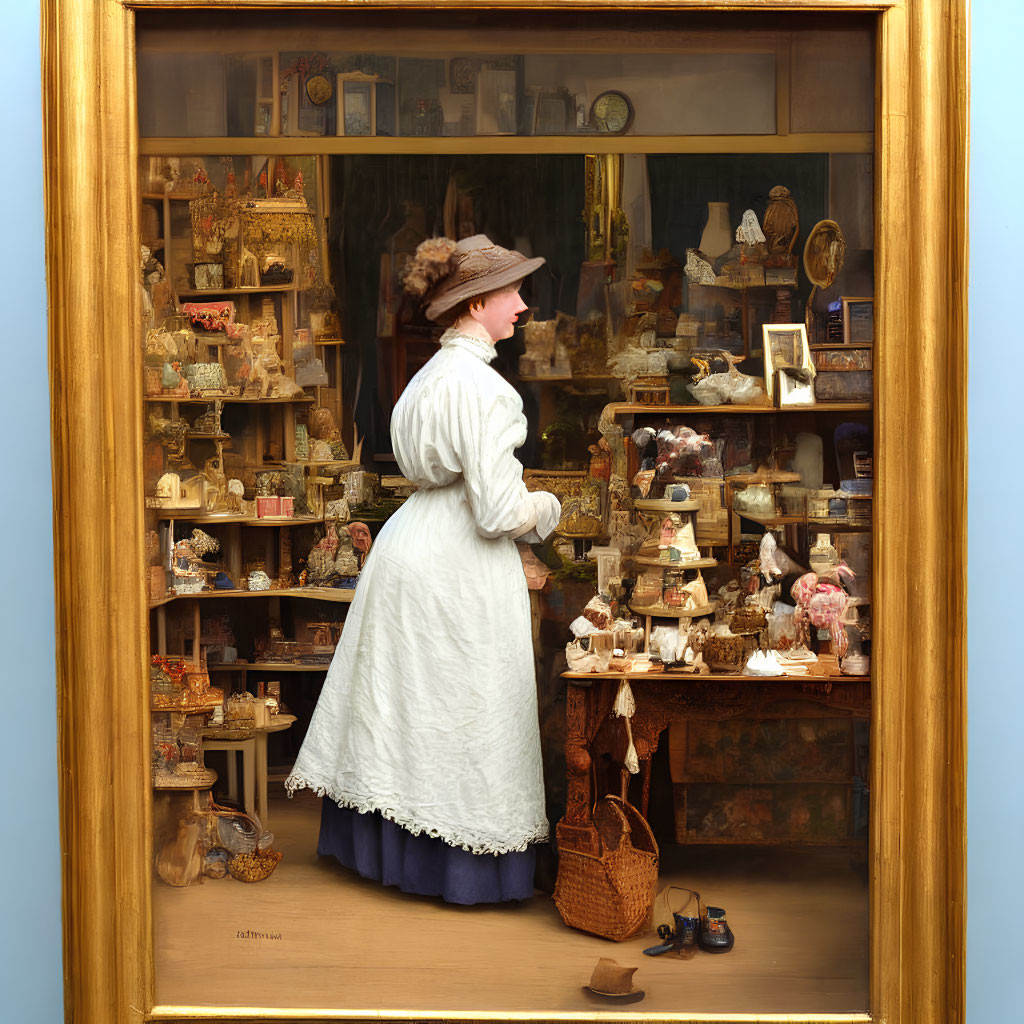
x,y
844,386
649,391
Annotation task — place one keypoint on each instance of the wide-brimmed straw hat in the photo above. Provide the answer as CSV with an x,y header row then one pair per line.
x,y
480,266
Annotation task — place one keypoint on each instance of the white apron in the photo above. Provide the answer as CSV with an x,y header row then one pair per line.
x,y
428,713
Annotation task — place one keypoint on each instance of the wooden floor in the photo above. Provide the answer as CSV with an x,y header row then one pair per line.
x,y
315,935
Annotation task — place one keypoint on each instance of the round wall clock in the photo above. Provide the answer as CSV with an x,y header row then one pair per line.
x,y
318,89
612,112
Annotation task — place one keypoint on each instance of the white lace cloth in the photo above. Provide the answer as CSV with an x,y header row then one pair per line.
x,y
429,710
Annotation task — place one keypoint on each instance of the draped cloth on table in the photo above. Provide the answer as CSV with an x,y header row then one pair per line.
x,y
428,714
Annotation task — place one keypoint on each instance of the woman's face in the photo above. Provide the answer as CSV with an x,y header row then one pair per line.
x,y
499,312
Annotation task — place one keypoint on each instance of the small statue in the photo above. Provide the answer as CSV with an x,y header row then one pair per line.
x,y
781,223
346,562
749,232
215,485
236,491
320,563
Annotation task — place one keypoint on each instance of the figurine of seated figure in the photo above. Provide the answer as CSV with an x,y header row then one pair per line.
x,y
677,542
346,563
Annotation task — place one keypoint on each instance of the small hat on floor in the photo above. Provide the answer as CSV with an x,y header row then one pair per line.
x,y
613,981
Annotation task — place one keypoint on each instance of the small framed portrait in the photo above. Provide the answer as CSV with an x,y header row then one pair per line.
x,y
357,104
858,321
785,349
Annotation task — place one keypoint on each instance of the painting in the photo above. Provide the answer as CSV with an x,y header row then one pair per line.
x,y
785,349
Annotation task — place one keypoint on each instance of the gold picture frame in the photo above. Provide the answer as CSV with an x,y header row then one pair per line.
x,y
357,104
858,320
917,848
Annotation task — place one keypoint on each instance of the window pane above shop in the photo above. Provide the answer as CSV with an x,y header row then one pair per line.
x,y
484,81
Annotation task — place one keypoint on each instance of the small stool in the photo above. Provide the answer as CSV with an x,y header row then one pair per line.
x,y
247,747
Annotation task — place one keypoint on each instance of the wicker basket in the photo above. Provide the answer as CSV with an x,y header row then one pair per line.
x,y
607,871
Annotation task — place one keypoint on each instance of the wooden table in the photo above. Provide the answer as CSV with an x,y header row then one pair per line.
x,y
253,748
661,698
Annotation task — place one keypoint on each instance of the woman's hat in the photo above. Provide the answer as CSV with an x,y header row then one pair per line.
x,y
478,266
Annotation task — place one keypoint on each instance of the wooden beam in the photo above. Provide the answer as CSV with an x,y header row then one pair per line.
x,y
808,142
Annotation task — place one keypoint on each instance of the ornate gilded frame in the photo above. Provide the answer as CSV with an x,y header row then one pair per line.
x,y
918,732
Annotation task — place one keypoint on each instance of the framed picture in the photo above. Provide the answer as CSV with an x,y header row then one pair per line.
x,y
357,103
495,102
461,74
858,321
785,348
555,113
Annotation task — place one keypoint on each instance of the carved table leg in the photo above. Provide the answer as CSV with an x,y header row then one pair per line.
x,y
645,793
577,756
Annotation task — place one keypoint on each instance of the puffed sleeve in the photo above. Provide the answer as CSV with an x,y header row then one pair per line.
x,y
489,429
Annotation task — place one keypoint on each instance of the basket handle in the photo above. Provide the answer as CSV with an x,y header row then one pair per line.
x,y
635,822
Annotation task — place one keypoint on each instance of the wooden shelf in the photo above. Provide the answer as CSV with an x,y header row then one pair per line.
x,y
770,521
335,594
765,782
573,378
715,677
207,519
343,465
269,666
791,840
818,525
198,435
177,196
630,408
657,563
664,611
234,399
204,293
583,143
841,344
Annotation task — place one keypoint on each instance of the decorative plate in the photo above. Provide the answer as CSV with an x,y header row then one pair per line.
x,y
318,89
612,112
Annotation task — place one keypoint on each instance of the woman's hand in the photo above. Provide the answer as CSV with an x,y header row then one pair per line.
x,y
541,517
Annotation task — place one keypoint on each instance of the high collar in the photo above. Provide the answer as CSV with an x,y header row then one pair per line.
x,y
484,350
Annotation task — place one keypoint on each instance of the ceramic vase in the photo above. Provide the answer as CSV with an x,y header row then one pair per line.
x,y
717,237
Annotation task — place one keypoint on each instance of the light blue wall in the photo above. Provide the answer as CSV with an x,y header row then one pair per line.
x,y
30,955
30,936
995,795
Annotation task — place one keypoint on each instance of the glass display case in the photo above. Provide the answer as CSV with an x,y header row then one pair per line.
x,y
704,191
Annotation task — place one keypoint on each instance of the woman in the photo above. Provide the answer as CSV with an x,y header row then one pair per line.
x,y
425,741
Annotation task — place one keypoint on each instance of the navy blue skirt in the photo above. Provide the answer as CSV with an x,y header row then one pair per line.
x,y
379,849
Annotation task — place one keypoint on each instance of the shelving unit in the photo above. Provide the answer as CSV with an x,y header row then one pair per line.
x,y
761,806
260,439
